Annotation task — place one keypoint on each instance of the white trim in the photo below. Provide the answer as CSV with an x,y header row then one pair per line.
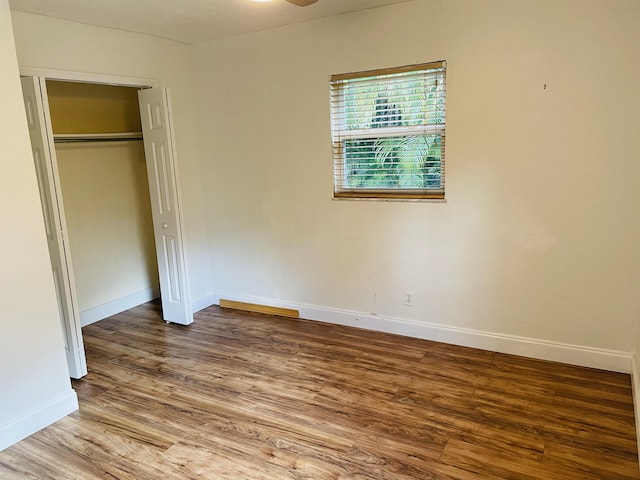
x,y
204,302
37,419
86,77
635,388
604,359
92,315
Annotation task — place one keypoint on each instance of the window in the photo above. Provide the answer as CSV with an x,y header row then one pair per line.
x,y
388,132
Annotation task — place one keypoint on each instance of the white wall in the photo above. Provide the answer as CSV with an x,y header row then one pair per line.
x,y
44,42
539,235
33,373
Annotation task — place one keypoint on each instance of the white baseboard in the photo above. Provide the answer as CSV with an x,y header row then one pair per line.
x,y
635,388
612,360
92,315
204,302
38,419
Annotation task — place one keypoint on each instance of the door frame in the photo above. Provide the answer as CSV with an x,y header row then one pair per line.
x,y
86,77
115,80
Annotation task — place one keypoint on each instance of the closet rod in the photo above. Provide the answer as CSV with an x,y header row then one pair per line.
x,y
96,137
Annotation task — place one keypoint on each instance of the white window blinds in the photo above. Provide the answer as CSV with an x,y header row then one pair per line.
x,y
388,132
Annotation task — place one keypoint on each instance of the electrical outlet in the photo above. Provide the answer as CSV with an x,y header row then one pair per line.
x,y
408,298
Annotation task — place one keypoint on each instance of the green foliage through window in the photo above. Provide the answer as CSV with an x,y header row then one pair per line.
x,y
388,131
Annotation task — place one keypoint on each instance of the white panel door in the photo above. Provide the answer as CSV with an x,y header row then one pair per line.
x,y
44,156
159,149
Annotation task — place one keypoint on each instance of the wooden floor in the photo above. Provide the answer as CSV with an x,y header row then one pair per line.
x,y
249,396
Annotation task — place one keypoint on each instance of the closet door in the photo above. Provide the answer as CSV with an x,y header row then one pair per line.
x,y
159,149
37,108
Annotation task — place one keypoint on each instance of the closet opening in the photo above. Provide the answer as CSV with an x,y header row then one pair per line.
x,y
105,162
105,193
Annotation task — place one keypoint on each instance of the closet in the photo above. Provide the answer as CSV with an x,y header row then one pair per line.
x,y
103,178
105,162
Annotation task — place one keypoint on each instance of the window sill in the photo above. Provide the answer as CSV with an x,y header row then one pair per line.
x,y
389,196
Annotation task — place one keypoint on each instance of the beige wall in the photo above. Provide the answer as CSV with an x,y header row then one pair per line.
x,y
539,234
108,212
636,353
44,42
33,373
89,108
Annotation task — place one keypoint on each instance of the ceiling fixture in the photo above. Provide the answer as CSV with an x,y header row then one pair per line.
x,y
302,3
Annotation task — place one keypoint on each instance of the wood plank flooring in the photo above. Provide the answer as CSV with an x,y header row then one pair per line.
x,y
248,396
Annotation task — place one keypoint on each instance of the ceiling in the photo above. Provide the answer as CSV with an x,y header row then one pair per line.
x,y
191,21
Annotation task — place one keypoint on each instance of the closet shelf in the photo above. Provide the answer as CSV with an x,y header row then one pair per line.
x,y
96,137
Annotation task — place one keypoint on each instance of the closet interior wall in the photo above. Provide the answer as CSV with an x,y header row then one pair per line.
x,y
105,195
